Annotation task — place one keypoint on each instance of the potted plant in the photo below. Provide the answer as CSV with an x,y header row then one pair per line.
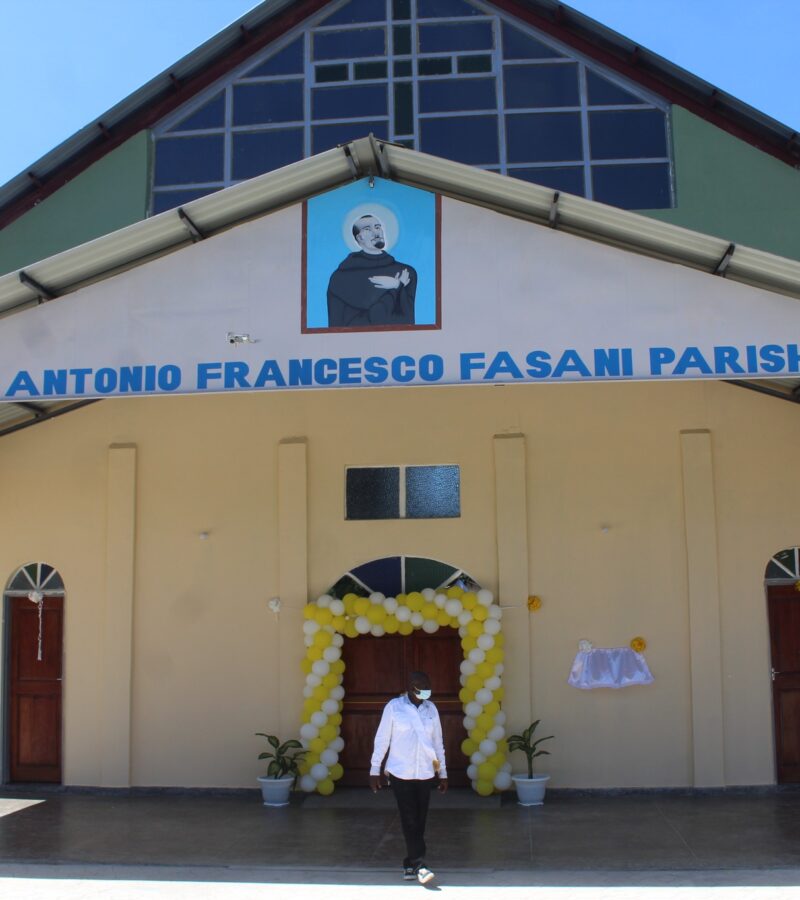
x,y
530,790
281,771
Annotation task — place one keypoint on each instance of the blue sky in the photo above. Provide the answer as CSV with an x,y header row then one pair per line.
x,y
64,62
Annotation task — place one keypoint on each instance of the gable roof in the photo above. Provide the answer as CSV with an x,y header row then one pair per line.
x,y
272,18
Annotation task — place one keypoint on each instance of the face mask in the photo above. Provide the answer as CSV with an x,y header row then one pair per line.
x,y
422,694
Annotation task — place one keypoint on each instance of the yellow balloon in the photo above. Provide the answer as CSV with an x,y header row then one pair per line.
x,y
484,788
303,767
405,628
493,707
465,695
314,652
499,639
477,735
469,600
335,719
336,771
455,592
495,654
485,670
497,759
328,733
305,665
468,746
349,600
324,616
376,613
499,694
442,618
481,613
325,787
486,772
485,721
401,600
310,705
415,601
350,629
391,625
469,643
474,682
309,611
317,745
361,606
323,638
312,759
339,623
429,611
320,693
474,628
331,680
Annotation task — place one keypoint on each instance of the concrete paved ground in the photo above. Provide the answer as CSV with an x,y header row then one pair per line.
x,y
664,846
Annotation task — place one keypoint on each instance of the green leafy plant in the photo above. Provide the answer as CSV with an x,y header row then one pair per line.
x,y
528,746
282,760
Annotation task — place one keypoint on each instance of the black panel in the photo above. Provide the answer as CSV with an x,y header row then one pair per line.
x,y
189,160
469,139
336,72
402,68
434,9
433,492
367,70
569,179
164,200
403,108
324,137
457,36
474,63
382,575
373,493
603,92
288,61
210,115
255,152
627,134
401,9
453,95
632,187
517,45
543,137
541,85
274,101
358,11
349,102
402,40
350,44
436,65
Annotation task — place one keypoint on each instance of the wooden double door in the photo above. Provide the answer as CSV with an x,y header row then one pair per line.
x,y
377,669
784,628
34,690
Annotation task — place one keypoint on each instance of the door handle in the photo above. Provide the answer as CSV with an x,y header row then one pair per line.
x,y
773,672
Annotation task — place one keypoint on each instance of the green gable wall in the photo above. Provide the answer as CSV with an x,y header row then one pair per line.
x,y
109,195
728,188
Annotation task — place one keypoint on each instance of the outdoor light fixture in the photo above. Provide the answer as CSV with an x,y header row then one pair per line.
x,y
235,337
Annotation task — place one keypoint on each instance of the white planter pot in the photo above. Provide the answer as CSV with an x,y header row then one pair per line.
x,y
275,791
530,791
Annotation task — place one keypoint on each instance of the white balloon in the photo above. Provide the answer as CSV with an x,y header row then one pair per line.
x,y
337,607
462,680
485,641
473,709
331,654
319,771
338,640
308,690
502,781
416,619
462,631
403,614
472,772
467,667
337,693
319,718
476,655
440,600
500,717
331,707
313,680
488,748
320,667
390,605
506,767
307,784
495,613
491,626
428,593
310,626
337,744
377,630
309,731
485,598
483,697
477,758
329,757
465,617
308,640
499,669
362,624
376,597
452,607
324,601
469,722
497,733
493,683
429,626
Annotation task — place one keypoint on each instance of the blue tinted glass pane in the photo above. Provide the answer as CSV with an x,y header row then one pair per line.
x,y
255,152
336,72
323,137
373,493
435,65
458,36
543,137
402,69
164,200
433,492
541,85
349,102
189,160
517,45
474,63
627,134
210,115
603,92
381,575
366,71
350,44
401,9
560,178
632,187
358,11
451,95
467,139
433,9
288,61
274,101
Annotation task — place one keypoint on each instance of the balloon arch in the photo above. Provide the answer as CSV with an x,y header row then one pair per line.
x,y
351,609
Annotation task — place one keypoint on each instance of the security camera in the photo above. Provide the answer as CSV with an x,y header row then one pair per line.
x,y
235,337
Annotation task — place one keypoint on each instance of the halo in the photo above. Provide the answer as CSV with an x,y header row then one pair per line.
x,y
391,228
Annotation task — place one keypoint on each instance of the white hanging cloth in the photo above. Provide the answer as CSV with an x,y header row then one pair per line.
x,y
608,667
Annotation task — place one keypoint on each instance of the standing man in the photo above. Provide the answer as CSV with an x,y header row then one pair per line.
x,y
411,731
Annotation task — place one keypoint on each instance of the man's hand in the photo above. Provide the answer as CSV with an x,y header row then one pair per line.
x,y
375,783
389,283
442,786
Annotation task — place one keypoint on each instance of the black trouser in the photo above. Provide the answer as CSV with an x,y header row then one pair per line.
x,y
412,803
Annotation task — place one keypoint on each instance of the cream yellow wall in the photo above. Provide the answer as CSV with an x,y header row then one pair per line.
x,y
205,671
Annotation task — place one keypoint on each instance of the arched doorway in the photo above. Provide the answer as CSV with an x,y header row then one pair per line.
x,y
783,609
34,614
377,667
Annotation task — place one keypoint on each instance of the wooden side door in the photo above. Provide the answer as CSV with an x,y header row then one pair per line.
x,y
784,630
377,670
34,693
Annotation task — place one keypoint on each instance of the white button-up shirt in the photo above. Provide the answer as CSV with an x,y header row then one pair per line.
x,y
409,758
